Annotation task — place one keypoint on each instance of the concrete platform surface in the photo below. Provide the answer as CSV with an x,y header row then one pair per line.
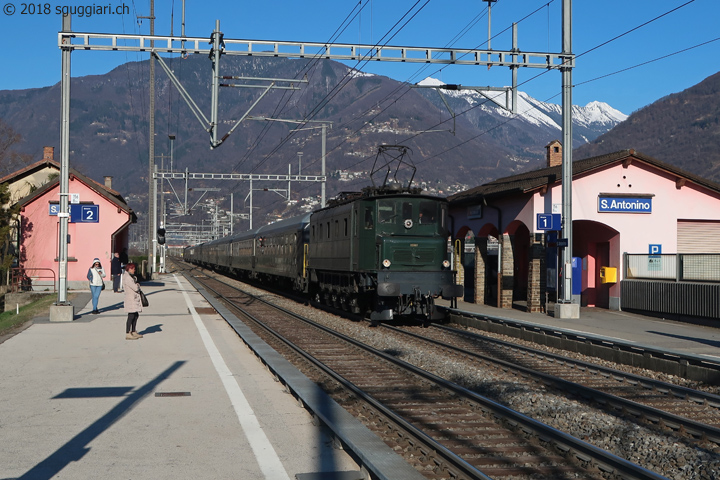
x,y
187,401
670,335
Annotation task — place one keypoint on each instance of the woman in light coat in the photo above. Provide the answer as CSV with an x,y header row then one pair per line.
x,y
133,304
95,275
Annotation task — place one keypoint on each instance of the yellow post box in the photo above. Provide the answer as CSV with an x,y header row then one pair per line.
x,y
608,275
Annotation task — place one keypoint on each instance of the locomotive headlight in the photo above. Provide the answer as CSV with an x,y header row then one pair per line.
x,y
446,264
386,263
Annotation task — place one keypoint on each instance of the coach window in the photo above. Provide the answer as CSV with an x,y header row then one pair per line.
x,y
337,228
328,229
320,236
345,224
369,223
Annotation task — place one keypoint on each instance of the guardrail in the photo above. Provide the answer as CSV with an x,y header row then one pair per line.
x,y
678,267
20,280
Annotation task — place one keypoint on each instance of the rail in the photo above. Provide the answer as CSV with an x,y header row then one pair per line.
x,y
19,280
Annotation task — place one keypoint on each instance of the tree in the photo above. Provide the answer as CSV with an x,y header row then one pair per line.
x,y
8,214
10,160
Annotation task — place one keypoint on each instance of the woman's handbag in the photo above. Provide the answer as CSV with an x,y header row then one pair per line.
x,y
103,286
143,299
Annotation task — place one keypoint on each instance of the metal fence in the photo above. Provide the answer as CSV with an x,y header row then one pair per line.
x,y
680,267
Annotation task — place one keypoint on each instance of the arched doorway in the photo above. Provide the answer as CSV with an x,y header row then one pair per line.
x,y
468,263
464,250
519,237
487,249
597,245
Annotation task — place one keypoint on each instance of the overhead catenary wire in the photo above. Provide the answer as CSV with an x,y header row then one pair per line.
x,y
305,70
533,78
342,83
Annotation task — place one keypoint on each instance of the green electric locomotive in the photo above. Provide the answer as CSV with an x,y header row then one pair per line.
x,y
383,250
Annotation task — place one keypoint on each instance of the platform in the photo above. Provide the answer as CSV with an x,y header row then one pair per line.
x,y
669,335
80,401
190,400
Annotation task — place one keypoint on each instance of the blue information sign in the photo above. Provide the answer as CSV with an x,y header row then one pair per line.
x,y
84,213
549,221
54,208
625,204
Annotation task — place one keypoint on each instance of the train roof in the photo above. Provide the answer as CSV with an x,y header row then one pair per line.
x,y
285,224
374,193
294,223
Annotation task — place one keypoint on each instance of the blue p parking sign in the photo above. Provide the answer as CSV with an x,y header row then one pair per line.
x,y
654,258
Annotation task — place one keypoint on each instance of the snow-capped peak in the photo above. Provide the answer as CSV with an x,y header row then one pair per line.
x,y
430,82
594,114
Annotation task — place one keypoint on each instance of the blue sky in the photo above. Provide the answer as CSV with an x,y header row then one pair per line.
x,y
32,59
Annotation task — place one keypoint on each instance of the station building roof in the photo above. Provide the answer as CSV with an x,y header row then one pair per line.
x,y
111,195
549,176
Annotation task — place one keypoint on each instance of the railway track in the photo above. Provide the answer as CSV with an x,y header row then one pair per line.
x,y
686,412
444,430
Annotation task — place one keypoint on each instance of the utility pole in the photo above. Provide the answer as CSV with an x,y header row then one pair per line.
x,y
489,2
63,310
152,192
567,309
322,173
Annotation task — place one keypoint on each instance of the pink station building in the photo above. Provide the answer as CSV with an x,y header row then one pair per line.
x,y
98,226
644,233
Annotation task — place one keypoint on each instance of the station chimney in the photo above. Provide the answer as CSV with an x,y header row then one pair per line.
x,y
554,153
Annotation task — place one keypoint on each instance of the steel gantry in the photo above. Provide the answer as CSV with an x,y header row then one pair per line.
x,y
69,41
247,177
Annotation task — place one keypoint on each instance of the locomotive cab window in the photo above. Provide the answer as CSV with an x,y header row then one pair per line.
x,y
428,213
386,211
369,222
407,211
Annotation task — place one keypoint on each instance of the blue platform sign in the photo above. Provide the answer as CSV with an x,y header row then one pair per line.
x,y
84,213
549,221
625,204
53,209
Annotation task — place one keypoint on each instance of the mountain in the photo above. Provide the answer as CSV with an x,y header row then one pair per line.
x,y
109,127
535,123
682,129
